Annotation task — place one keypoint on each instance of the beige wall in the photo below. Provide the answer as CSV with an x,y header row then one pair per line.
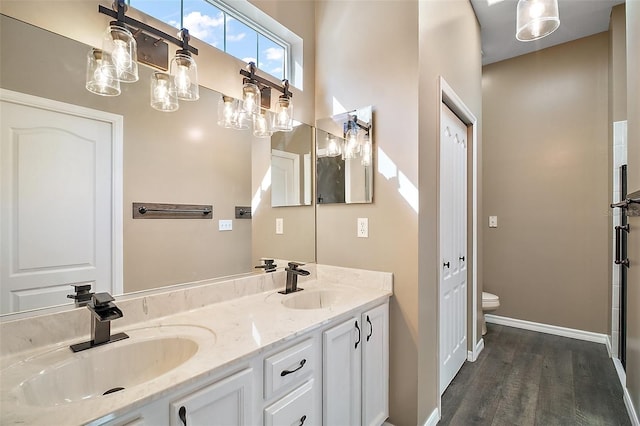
x,y
546,166
618,64
449,47
395,68
633,155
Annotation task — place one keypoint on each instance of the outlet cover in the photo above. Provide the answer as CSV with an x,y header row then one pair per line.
x,y
493,221
225,225
363,227
279,226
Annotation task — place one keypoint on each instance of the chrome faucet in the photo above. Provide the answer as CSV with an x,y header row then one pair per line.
x,y
103,311
292,277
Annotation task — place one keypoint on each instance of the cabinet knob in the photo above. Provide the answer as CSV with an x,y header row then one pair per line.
x,y
182,413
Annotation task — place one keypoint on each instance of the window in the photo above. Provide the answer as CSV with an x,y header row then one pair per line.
x,y
222,27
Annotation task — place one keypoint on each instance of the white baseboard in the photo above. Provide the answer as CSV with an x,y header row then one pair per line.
x,y
434,418
547,328
622,375
472,356
608,343
630,408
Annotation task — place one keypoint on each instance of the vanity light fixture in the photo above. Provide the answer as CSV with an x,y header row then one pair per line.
x,y
536,19
256,94
127,39
357,141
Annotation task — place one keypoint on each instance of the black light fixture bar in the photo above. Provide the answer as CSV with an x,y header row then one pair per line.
x,y
120,16
251,75
361,124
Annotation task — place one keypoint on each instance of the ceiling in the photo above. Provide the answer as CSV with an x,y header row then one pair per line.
x,y
578,18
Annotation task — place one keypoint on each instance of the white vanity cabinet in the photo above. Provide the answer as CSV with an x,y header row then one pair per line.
x,y
226,402
356,370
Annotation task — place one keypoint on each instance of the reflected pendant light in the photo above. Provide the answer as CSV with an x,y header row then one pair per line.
x,y
184,71
227,111
351,144
121,46
102,78
263,124
333,146
367,149
536,19
163,92
240,117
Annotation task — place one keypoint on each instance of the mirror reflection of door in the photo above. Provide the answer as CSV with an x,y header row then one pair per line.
x,y
285,178
330,180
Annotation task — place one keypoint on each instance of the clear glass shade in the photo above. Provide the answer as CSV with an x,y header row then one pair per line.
x,y
184,71
102,78
351,144
284,114
227,112
263,124
118,43
163,92
334,146
251,98
366,151
536,19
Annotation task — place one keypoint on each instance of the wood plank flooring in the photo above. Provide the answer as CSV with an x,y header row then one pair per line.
x,y
528,378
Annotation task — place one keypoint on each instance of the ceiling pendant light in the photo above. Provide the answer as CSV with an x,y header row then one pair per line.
x,y
102,78
536,19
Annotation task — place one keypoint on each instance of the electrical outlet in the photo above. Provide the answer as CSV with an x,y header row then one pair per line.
x,y
363,227
225,225
279,226
493,221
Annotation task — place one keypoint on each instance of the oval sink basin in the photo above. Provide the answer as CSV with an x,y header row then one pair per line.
x,y
313,299
107,369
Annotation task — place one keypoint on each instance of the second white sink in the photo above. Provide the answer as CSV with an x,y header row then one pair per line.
x,y
313,299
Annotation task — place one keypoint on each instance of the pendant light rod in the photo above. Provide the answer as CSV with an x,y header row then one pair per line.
x,y
120,16
251,75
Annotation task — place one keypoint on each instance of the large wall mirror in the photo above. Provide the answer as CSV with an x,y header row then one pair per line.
x,y
344,158
182,157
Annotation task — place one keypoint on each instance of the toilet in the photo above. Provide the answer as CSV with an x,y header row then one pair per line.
x,y
490,302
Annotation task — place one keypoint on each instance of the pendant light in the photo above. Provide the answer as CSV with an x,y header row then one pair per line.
x,y
263,124
536,19
333,146
367,149
351,144
184,71
101,76
227,111
163,92
121,46
284,110
251,101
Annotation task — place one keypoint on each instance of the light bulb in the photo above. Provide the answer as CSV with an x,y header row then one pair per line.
x,y
121,57
333,147
227,111
163,96
251,97
183,82
366,152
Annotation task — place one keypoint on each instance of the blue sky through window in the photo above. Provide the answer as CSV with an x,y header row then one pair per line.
x,y
213,26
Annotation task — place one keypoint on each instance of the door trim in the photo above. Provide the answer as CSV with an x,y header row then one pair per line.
x,y
450,98
116,122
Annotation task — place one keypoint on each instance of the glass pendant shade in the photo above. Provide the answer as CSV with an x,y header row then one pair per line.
x,y
102,78
184,71
333,147
263,124
227,111
366,151
121,46
284,114
536,19
163,92
351,144
251,98
241,117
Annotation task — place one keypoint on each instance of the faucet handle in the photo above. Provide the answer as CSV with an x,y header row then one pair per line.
x,y
294,265
101,299
268,265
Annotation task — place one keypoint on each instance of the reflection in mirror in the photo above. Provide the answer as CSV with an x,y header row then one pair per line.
x,y
182,157
291,167
344,164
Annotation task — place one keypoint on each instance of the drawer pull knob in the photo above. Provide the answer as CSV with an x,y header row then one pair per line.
x,y
285,372
302,420
182,413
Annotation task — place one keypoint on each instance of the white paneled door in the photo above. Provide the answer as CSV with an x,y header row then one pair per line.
x,y
59,208
453,245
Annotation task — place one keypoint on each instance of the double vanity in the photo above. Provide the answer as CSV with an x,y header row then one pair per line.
x,y
232,352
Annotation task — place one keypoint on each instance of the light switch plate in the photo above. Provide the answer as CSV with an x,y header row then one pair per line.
x,y
363,227
279,226
225,225
493,221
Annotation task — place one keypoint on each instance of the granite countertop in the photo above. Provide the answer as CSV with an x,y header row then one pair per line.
x,y
227,332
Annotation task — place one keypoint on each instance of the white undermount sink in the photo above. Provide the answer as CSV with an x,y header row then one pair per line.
x,y
64,377
314,299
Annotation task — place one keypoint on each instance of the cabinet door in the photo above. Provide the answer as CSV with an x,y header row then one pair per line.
x,y
341,374
375,365
296,408
226,402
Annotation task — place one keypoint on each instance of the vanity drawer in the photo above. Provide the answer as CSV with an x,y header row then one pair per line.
x,y
289,367
297,408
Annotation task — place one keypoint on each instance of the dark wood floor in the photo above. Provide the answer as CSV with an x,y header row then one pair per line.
x,y
528,378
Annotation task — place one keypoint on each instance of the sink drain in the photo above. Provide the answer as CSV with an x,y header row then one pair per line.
x,y
112,390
